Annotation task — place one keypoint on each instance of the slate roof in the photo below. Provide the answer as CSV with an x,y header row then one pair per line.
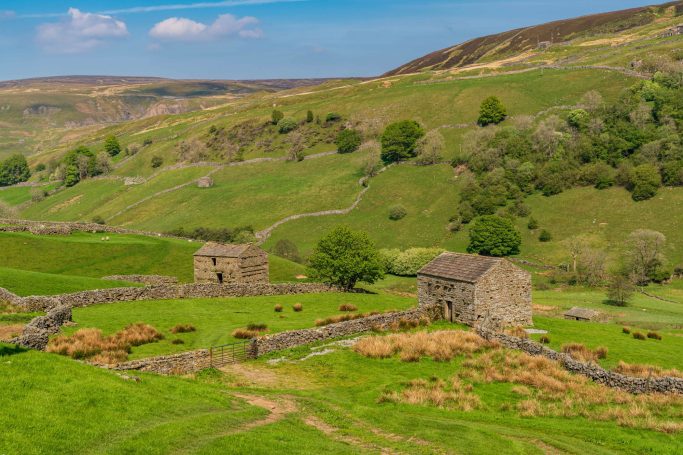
x,y
583,313
222,250
468,268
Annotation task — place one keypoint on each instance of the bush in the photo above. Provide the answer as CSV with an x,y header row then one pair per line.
x,y
348,141
638,336
309,117
287,125
545,236
347,307
14,170
532,224
644,181
112,146
579,119
544,339
288,250
492,112
278,308
298,307
399,141
276,116
147,142
183,328
177,341
492,235
333,117
397,212
654,335
40,167
157,161
626,330
410,261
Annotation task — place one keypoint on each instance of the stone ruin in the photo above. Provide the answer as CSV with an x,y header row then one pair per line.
x,y
205,182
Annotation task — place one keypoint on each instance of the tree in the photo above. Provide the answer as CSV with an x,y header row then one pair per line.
x,y
399,140
348,141
112,146
287,125
296,149
619,290
372,164
157,161
103,164
545,236
430,148
492,112
492,235
276,116
309,117
344,257
644,181
645,254
14,170
579,119
288,250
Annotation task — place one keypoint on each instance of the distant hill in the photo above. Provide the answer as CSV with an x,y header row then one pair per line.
x,y
517,42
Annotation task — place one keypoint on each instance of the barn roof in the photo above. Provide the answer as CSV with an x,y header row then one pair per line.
x,y
459,267
222,250
582,313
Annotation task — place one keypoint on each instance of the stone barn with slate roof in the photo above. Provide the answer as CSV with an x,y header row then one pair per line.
x,y
228,264
477,290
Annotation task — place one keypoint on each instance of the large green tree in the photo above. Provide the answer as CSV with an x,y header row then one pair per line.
x,y
399,141
492,235
344,257
14,170
112,146
492,112
348,141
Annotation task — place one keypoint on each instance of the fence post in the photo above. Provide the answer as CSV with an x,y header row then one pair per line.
x,y
211,357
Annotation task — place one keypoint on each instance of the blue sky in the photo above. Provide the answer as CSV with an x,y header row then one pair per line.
x,y
252,39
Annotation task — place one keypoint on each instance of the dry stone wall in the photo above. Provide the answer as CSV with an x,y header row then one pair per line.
x,y
37,332
65,228
150,280
590,370
166,292
184,363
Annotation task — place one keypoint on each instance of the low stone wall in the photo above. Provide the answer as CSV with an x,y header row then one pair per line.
x,y
189,362
592,371
184,363
149,280
166,292
37,332
66,227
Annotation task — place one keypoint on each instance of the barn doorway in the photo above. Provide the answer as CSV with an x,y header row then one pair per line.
x,y
220,277
449,311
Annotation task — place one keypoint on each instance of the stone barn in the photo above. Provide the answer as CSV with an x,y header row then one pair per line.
x,y
477,290
228,264
581,314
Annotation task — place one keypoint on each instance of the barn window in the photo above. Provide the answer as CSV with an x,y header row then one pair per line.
x,y
220,277
213,260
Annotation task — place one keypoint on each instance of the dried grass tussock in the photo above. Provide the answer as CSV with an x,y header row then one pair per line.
x,y
7,332
646,371
580,352
441,346
90,344
436,392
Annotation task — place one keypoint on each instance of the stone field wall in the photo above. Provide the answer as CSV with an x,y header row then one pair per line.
x,y
149,280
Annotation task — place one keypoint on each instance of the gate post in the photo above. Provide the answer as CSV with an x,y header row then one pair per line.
x,y
211,357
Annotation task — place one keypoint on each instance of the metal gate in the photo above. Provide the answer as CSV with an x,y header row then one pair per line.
x,y
229,353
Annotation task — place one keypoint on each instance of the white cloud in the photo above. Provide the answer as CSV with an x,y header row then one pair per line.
x,y
80,32
226,25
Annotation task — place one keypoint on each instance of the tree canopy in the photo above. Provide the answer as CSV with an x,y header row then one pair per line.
x,y
112,146
399,141
344,257
348,141
493,235
14,170
492,112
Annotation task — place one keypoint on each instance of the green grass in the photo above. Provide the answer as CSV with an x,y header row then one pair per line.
x,y
215,319
15,196
52,404
665,353
24,283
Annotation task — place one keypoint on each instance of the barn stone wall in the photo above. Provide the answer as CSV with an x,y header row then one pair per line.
x,y
503,297
441,292
252,267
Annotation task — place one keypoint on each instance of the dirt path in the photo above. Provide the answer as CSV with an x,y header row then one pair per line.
x,y
278,409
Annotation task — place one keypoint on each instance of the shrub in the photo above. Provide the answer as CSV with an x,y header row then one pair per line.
x,y
14,170
654,335
332,117
644,181
347,307
278,308
578,119
183,328
298,307
397,212
112,146
177,341
545,236
147,142
276,116
492,235
544,339
40,167
287,249
408,262
638,336
309,117
157,161
287,125
626,330
399,141
532,224
491,112
348,141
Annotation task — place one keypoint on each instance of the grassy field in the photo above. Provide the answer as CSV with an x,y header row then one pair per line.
x,y
215,319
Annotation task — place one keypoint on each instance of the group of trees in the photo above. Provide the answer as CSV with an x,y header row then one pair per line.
x,y
242,234
14,170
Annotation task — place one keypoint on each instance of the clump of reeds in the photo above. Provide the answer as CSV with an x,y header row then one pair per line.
x,y
347,307
654,335
298,307
278,308
581,352
183,328
639,336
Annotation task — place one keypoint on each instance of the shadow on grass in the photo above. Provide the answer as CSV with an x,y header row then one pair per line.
x,y
11,349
